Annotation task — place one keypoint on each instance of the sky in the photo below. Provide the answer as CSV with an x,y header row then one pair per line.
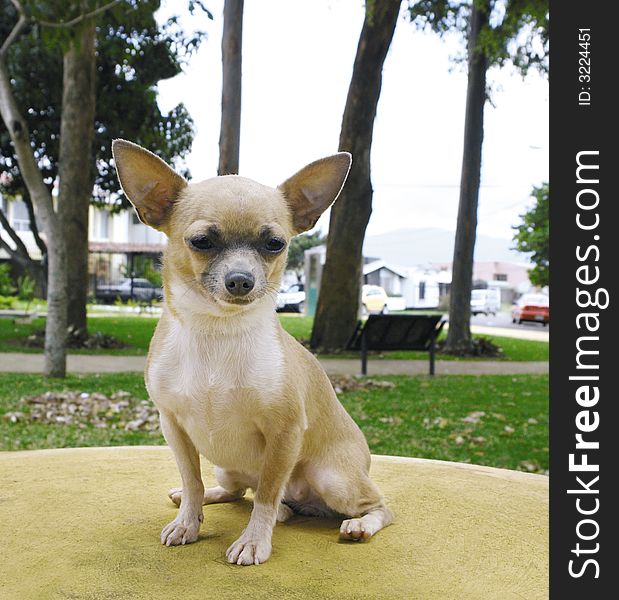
x,y
297,63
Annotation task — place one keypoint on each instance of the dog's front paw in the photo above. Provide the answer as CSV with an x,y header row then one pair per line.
x,y
249,551
181,531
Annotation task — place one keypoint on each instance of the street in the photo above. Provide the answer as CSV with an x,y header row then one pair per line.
x,y
501,324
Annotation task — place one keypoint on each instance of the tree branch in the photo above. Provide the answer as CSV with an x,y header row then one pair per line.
x,y
34,228
10,251
15,33
16,256
24,20
19,244
20,136
79,18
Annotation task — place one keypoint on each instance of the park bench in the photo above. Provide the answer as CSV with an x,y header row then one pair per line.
x,y
396,332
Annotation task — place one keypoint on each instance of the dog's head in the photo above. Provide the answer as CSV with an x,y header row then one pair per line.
x,y
227,236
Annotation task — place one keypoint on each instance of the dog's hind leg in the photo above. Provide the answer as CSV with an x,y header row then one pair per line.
x,y
363,528
354,496
232,486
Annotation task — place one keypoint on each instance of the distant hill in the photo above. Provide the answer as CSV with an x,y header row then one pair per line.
x,y
410,247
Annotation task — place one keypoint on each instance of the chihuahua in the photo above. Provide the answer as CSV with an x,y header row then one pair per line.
x,y
229,383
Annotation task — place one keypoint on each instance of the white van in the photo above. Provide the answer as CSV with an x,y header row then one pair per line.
x,y
486,301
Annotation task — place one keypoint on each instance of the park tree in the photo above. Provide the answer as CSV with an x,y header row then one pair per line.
x,y
76,29
533,234
338,303
231,57
76,172
132,52
496,32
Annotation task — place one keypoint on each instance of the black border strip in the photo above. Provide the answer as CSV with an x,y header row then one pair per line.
x,y
588,126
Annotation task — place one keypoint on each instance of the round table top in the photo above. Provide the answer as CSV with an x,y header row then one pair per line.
x,y
84,524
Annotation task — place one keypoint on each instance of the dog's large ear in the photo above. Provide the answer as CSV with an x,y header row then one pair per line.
x,y
149,183
314,188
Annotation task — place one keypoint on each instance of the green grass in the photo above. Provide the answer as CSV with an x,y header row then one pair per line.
x,y
422,417
136,332
418,417
513,348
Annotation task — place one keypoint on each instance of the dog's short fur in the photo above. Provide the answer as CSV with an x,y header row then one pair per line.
x,y
228,381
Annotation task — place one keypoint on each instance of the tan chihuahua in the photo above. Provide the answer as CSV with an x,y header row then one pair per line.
x,y
229,382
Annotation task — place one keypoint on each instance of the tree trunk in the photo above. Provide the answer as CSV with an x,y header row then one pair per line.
x,y
231,51
56,323
76,170
459,333
338,303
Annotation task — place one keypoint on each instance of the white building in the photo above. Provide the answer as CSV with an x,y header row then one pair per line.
x,y
114,240
407,287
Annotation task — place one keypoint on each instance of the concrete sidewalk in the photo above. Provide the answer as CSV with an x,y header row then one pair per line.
x,y
88,363
512,332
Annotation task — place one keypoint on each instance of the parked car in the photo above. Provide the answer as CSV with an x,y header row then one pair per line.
x,y
487,302
532,307
143,291
374,300
292,299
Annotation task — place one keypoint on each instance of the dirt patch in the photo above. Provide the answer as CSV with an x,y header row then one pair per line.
x,y
347,383
121,410
95,341
118,411
481,347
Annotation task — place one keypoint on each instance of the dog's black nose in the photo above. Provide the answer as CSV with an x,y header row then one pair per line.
x,y
239,283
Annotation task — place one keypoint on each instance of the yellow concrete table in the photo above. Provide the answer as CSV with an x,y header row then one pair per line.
x,y
85,523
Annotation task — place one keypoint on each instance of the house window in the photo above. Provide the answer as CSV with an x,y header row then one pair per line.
x,y
500,276
20,218
104,224
422,290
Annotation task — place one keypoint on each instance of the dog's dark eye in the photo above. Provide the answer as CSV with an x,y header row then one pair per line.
x,y
274,245
201,242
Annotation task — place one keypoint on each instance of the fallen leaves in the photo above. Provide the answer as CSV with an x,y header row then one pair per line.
x,y
440,422
347,383
391,420
117,411
473,417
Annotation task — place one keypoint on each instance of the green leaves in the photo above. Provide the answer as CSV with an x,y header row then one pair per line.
x,y
301,243
133,55
532,236
517,30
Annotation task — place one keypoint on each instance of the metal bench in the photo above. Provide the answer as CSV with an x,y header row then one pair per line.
x,y
396,332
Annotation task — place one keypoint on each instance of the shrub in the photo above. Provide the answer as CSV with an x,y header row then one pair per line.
x,y
7,302
6,281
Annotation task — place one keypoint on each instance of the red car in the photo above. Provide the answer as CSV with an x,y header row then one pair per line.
x,y
532,307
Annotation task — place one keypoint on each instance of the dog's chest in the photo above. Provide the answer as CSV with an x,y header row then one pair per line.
x,y
215,384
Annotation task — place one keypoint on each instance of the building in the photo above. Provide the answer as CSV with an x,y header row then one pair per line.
x,y
407,287
118,243
511,278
